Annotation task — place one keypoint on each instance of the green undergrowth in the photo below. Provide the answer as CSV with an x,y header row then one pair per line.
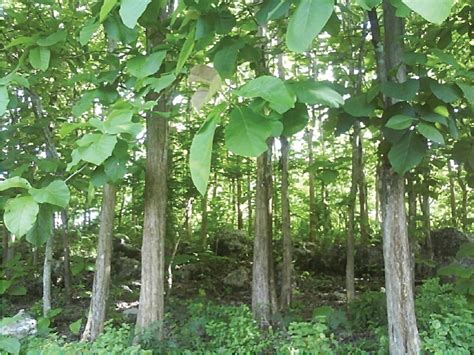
x,y
445,320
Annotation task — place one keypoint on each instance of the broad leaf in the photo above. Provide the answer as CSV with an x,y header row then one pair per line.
x,y
131,10
306,23
95,148
4,99
295,120
186,51
430,132
52,39
43,227
39,58
225,59
107,6
90,27
468,91
314,93
20,214
212,83
115,169
143,66
445,92
368,4
201,153
400,122
431,11
272,10
358,106
14,182
271,89
247,132
161,83
405,91
435,118
407,153
120,121
10,344
56,193
75,327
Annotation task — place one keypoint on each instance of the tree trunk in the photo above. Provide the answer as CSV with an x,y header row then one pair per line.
x,y
101,285
151,307
313,216
47,266
203,231
355,175
363,206
286,287
427,222
452,195
261,304
402,328
249,200
463,210
412,225
240,220
67,259
5,240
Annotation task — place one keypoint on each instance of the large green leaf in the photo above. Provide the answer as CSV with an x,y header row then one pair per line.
x,y
10,344
56,193
295,120
368,4
120,121
115,169
143,66
106,7
225,59
400,122
186,51
14,182
403,91
52,39
407,153
131,10
432,11
4,99
247,132
468,91
95,148
20,214
201,153
90,27
430,132
43,227
271,89
358,106
314,93
39,58
306,23
161,83
272,10
444,92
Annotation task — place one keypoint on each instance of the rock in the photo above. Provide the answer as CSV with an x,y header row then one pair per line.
x,y
446,243
131,313
19,326
126,269
233,243
237,278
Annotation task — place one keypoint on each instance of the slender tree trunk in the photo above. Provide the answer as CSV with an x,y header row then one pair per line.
x,y
427,222
350,283
287,267
402,328
47,268
152,290
151,307
463,210
313,216
240,220
101,285
249,200
66,255
363,205
412,224
452,195
261,304
203,231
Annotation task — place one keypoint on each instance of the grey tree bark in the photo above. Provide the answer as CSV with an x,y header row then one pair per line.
x,y
287,267
402,328
67,258
101,284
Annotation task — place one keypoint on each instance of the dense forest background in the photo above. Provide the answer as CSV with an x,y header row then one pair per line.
x,y
214,176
